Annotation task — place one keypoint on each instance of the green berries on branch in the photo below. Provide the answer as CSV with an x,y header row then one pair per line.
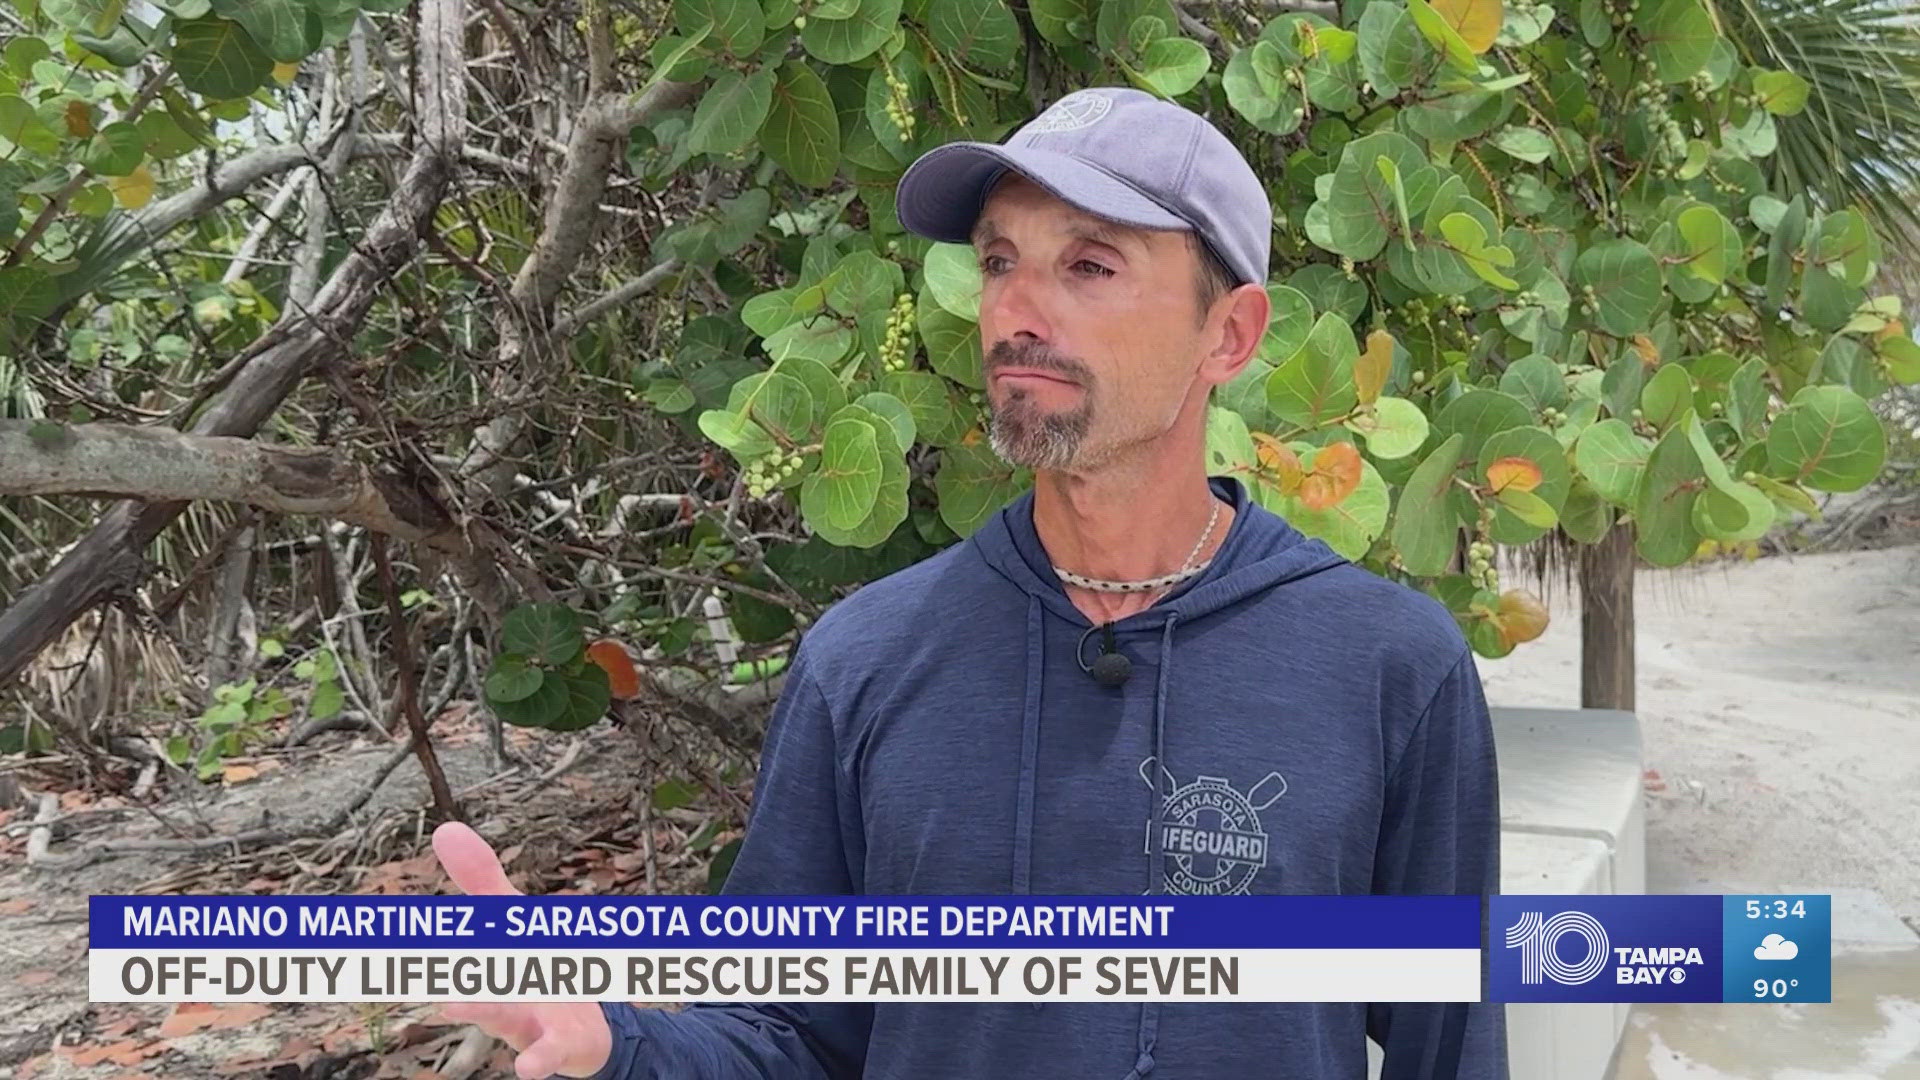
x,y
896,351
1480,565
765,473
899,104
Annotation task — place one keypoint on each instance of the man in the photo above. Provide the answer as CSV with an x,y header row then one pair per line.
x,y
1131,648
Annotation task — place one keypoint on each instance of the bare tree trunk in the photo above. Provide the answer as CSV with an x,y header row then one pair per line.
x,y
111,559
235,578
1606,621
349,643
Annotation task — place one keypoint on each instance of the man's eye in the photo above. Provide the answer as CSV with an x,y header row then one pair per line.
x,y
990,264
1096,268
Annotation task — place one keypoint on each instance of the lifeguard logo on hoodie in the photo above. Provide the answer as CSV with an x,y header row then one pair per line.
x,y
1212,835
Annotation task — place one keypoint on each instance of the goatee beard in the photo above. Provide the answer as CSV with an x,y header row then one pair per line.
x,y
1024,435
1019,430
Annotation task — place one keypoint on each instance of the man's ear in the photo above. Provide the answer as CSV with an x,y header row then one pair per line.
x,y
1239,322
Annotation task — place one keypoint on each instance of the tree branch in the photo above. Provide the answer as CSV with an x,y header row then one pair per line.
x,y
599,48
304,277
574,205
1199,30
1330,9
226,181
573,208
504,20
162,465
399,634
243,258
570,324
613,116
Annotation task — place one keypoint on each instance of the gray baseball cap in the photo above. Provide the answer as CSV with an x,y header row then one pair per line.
x,y
1116,153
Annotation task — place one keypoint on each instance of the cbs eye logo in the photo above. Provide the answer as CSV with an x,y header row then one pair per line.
x,y
1538,939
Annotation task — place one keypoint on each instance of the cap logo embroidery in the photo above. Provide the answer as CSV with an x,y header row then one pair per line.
x,y
1073,112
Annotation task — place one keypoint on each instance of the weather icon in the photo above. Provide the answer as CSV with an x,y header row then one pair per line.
x,y
1775,947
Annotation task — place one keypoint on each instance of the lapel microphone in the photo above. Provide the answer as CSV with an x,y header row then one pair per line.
x,y
1110,668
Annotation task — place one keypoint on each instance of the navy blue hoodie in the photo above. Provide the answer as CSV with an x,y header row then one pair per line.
x,y
937,736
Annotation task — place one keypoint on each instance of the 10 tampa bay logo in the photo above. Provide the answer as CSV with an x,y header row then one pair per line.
x,y
1587,952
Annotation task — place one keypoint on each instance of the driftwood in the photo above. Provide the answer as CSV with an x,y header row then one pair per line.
x,y
1877,511
44,858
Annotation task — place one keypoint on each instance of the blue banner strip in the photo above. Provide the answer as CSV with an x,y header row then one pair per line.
x,y
733,922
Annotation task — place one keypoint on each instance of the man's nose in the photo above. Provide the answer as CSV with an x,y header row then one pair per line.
x,y
1014,308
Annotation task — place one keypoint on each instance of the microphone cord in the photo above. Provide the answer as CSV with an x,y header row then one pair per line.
x,y
1111,667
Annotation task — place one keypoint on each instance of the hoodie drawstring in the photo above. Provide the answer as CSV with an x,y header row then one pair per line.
x,y
1029,750
1022,877
1158,884
1150,1010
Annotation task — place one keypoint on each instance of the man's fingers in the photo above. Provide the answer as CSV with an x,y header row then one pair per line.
x,y
470,1012
470,862
519,1026
574,1041
541,1060
545,1046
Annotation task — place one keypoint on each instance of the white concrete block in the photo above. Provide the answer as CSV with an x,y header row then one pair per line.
x,y
1533,862
1576,772
1573,822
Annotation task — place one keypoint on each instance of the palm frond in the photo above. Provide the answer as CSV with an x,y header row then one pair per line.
x,y
1858,141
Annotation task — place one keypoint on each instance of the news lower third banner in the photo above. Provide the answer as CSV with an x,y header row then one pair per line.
x,y
960,949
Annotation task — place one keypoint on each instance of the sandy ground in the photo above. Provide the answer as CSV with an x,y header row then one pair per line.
x,y
1780,705
1780,701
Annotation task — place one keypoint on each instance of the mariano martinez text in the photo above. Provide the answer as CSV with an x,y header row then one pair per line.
x,y
641,920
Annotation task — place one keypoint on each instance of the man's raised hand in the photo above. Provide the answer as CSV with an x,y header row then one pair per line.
x,y
565,1038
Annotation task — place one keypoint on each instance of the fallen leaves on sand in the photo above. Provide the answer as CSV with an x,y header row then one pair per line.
x,y
420,874
125,1052
191,1016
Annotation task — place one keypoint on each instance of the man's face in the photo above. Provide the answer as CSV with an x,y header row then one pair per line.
x,y
1091,332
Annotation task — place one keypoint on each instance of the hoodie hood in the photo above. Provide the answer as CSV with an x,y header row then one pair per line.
x,y
1261,552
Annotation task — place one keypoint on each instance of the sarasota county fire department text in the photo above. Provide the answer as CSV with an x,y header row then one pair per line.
x,y
642,920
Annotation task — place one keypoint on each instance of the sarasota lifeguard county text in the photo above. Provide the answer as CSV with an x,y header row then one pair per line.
x,y
248,923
